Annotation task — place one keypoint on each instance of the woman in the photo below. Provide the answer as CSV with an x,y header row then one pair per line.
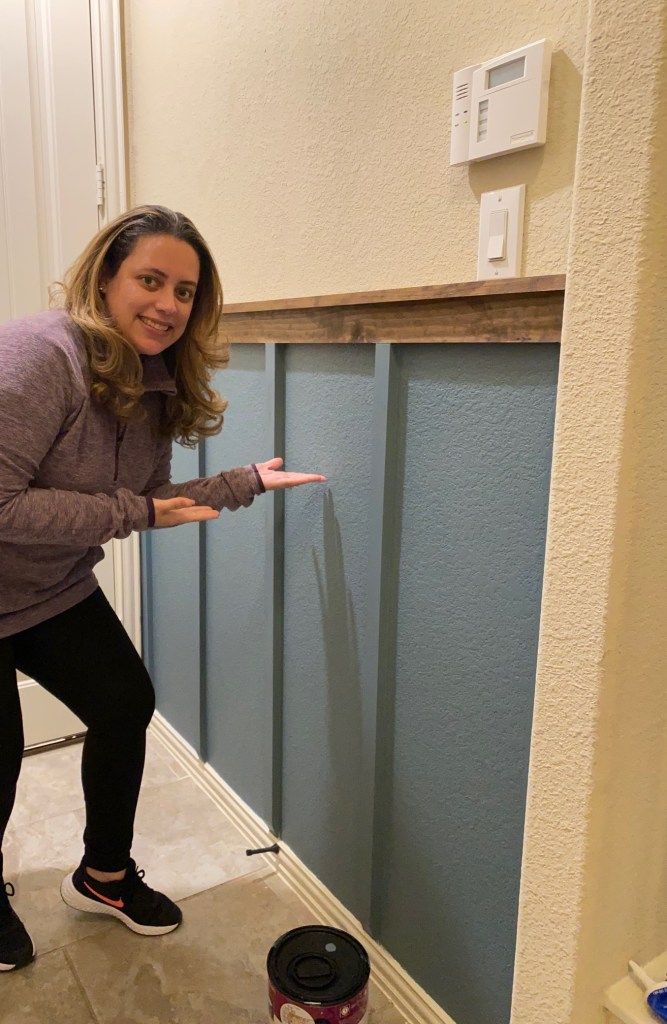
x,y
91,398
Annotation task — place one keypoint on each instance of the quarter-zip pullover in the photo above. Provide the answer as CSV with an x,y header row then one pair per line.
x,y
72,476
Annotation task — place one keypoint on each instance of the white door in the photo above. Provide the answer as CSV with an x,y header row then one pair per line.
x,y
48,207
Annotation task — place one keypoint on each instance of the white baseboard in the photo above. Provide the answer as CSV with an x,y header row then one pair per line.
x,y
393,981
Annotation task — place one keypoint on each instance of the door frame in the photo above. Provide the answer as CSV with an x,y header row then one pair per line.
x,y
106,36
97,24
106,33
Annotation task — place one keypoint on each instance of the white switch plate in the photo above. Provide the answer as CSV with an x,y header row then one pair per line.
x,y
511,200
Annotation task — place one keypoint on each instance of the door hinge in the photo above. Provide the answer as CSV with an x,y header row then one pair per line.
x,y
101,184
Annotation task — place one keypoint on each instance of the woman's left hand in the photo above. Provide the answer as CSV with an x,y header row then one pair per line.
x,y
274,479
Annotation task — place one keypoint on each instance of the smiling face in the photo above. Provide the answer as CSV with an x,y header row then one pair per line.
x,y
150,297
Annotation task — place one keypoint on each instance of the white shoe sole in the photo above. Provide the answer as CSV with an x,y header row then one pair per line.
x,y
74,899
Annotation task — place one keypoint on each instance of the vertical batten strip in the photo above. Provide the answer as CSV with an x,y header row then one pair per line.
x,y
200,614
275,577
377,702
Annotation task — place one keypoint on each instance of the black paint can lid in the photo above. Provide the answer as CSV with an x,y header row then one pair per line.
x,y
318,965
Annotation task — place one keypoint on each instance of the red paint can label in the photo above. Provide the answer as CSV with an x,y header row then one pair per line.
x,y
285,1011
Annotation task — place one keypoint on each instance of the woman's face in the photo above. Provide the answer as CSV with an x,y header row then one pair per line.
x,y
150,297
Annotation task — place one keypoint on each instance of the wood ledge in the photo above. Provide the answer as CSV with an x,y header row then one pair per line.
x,y
528,309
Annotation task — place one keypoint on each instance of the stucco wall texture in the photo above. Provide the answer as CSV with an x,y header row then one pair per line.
x,y
594,875
310,141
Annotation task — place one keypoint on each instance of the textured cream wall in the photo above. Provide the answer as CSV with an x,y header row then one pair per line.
x,y
594,884
310,141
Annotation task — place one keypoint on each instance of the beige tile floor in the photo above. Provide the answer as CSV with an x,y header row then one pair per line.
x,y
93,970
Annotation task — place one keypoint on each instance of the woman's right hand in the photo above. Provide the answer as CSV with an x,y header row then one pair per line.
x,y
176,511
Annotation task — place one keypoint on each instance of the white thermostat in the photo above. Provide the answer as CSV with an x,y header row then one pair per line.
x,y
501,106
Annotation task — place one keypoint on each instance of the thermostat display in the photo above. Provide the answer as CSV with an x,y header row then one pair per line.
x,y
508,72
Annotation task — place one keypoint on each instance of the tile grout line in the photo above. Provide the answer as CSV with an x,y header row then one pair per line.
x,y
259,875
75,942
80,985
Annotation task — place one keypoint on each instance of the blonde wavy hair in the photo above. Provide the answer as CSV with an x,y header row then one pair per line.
x,y
197,410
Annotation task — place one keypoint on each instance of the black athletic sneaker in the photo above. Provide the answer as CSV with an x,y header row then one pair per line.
x,y
16,947
130,900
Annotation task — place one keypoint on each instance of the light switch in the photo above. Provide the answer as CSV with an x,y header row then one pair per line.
x,y
497,235
500,233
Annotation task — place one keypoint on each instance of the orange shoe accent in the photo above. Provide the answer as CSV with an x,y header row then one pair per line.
x,y
105,899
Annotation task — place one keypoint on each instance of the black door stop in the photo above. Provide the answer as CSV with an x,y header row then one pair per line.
x,y
264,849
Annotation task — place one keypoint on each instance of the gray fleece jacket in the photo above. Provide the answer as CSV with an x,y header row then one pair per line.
x,y
72,476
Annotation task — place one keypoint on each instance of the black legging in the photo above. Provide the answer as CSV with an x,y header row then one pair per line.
x,y
85,658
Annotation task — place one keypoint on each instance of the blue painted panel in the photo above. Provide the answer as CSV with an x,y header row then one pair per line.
x,y
477,425
474,450
172,619
329,410
238,685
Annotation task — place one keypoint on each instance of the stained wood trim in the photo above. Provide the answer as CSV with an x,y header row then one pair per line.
x,y
504,286
513,310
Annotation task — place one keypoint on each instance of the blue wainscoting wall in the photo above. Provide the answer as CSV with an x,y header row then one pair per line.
x,y
328,426
236,722
171,613
357,659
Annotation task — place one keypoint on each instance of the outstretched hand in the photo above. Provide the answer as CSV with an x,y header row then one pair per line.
x,y
275,479
177,511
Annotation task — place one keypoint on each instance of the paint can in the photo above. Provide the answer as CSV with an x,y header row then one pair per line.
x,y
318,975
